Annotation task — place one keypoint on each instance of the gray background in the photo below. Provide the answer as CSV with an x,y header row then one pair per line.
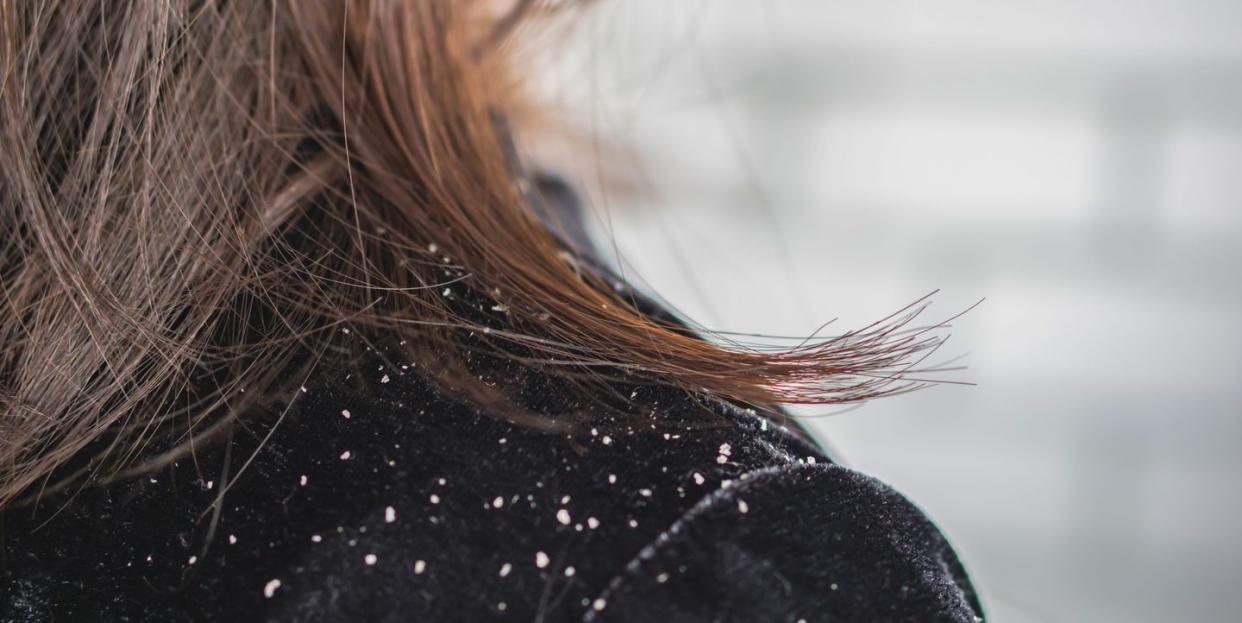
x,y
767,166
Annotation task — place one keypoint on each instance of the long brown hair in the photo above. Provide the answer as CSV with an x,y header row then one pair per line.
x,y
193,193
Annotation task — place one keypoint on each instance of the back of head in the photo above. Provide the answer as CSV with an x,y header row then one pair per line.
x,y
195,198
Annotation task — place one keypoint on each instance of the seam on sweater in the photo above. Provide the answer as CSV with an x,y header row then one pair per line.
x,y
719,496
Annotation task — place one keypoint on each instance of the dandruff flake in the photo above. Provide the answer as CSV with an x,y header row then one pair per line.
x,y
269,589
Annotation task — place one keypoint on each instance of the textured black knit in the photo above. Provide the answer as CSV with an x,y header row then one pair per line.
x,y
367,495
376,499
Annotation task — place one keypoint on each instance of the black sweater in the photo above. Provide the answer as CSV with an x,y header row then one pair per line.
x,y
367,496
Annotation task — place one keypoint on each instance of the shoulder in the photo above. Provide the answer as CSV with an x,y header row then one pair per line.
x,y
366,496
806,542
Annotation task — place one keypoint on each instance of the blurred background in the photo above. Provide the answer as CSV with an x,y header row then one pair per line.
x,y
1078,163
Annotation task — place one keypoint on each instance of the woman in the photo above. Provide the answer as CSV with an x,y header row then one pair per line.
x,y
289,334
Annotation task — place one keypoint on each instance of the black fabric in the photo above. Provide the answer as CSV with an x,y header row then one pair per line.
x,y
365,495
686,509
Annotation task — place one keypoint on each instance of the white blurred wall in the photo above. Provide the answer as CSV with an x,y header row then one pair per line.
x,y
1077,163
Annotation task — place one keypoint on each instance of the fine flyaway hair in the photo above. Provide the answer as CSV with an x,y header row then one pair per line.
x,y
196,195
